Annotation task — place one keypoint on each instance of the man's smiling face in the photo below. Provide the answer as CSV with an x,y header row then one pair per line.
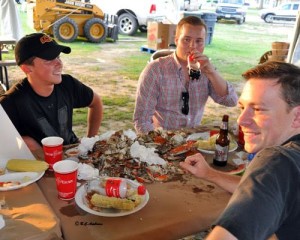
x,y
264,118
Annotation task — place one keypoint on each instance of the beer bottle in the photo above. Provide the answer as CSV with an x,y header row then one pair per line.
x,y
222,144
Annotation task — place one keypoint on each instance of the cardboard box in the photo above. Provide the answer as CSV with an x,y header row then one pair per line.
x,y
160,35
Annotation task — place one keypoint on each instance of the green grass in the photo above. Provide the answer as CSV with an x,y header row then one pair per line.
x,y
79,116
117,114
133,66
117,108
117,101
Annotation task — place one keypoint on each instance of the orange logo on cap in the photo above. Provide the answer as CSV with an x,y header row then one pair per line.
x,y
45,39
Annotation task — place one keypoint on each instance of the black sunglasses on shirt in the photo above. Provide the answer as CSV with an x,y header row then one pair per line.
x,y
185,106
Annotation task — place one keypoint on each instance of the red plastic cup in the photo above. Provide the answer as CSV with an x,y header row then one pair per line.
x,y
66,178
53,150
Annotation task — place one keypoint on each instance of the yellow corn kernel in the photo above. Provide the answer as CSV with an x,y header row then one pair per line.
x,y
26,165
112,202
137,199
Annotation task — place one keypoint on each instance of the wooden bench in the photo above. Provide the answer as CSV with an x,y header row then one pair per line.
x,y
3,66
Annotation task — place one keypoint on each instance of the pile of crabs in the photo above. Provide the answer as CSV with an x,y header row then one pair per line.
x,y
113,156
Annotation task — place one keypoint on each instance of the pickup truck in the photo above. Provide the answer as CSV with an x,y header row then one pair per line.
x,y
285,12
134,14
231,10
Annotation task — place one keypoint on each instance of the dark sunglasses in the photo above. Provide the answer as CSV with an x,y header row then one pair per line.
x,y
185,106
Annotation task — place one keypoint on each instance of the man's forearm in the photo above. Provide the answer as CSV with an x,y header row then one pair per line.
x,y
219,84
95,115
224,180
31,143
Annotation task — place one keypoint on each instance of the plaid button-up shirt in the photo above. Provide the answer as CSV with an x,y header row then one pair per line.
x,y
158,97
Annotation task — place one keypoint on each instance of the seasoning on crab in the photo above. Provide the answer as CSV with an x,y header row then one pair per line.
x,y
183,148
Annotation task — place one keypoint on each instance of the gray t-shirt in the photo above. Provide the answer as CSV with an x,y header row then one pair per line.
x,y
267,200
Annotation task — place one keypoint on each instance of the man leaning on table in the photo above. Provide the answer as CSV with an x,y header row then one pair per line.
x,y
168,96
267,199
42,104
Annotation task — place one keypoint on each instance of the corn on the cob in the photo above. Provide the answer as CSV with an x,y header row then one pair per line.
x,y
112,202
26,165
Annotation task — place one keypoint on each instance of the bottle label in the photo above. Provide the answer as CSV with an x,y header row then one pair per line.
x,y
221,153
224,126
112,187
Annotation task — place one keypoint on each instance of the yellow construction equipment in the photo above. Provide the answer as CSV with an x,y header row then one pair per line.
x,y
68,19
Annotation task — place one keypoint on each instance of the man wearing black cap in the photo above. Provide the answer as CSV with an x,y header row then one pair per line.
x,y
42,104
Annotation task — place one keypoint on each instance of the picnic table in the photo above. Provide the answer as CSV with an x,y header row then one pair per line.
x,y
175,209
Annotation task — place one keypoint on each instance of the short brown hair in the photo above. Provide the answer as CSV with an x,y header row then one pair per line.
x,y
192,20
29,61
285,74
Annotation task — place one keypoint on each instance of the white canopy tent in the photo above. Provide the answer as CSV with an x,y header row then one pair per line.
x,y
10,24
294,49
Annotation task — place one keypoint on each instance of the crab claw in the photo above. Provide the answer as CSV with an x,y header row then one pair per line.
x,y
160,140
155,176
162,178
142,180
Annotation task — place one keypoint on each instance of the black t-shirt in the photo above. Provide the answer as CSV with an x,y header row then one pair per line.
x,y
38,116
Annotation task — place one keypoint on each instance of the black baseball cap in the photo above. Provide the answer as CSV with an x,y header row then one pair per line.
x,y
38,45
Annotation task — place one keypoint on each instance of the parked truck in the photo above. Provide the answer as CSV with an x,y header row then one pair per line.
x,y
133,15
68,19
231,10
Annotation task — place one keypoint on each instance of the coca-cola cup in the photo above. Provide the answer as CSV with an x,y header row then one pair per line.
x,y
65,172
53,150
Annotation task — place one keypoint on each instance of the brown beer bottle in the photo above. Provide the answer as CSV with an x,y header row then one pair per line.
x,y
222,144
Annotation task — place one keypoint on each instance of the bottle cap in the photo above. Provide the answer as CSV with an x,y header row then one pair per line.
x,y
250,156
225,118
141,190
191,57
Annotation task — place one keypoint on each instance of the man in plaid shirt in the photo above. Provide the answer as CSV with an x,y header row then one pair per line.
x,y
169,94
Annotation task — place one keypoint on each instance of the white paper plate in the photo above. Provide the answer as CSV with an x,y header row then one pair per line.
x,y
234,146
197,136
81,201
25,178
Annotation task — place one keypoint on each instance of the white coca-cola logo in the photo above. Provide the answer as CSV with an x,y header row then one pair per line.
x,y
54,153
113,191
61,181
65,194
